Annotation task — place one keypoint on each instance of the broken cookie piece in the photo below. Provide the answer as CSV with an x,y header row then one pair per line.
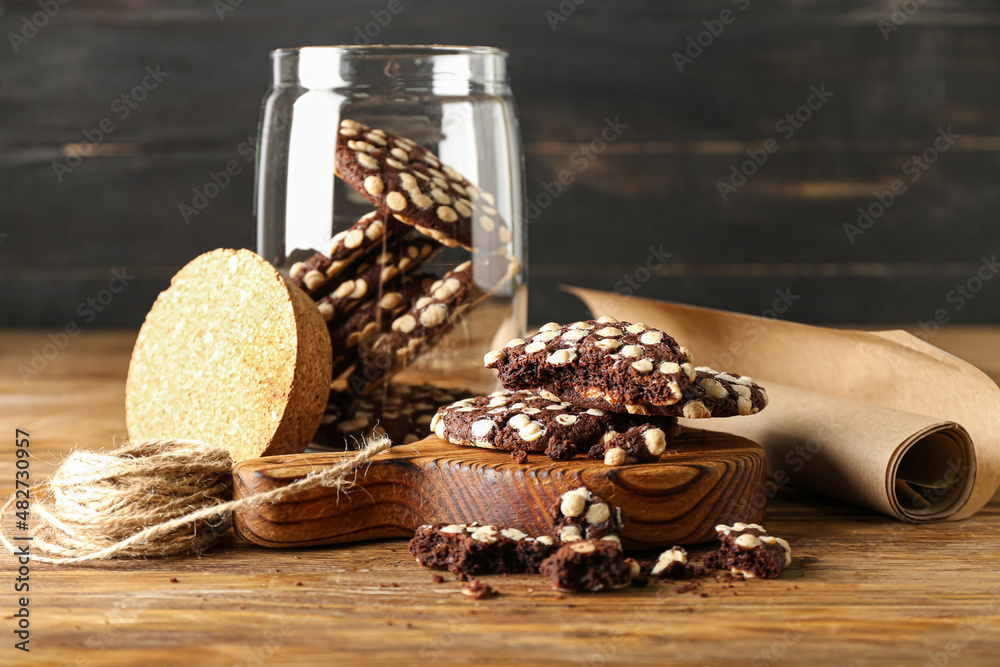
x,y
748,550
588,565
468,549
581,515
672,564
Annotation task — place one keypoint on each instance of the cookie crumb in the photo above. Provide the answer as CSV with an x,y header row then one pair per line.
x,y
173,580
437,578
478,590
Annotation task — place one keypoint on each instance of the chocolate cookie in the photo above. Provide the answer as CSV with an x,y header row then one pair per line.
x,y
582,515
470,549
375,271
672,564
420,328
409,182
587,565
748,550
346,247
349,335
641,443
601,363
719,394
522,421
403,414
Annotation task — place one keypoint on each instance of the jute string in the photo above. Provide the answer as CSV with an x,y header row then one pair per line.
x,y
147,499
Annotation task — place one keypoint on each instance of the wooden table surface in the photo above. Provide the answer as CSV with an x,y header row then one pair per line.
x,y
864,590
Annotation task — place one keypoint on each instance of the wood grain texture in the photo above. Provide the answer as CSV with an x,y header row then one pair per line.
x,y
656,184
863,590
703,479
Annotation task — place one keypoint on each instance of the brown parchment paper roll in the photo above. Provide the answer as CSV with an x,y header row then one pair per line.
x,y
878,419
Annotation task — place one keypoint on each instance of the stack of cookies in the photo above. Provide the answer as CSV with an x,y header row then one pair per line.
x,y
382,309
611,389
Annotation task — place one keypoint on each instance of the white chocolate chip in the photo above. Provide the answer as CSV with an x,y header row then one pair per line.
x,y
531,432
314,279
643,365
615,456
638,327
567,420
656,441
651,338
669,368
375,138
595,412
481,428
454,529
326,310
632,351
546,540
610,332
492,357
747,541
446,214
531,348
606,319
560,357
574,335
582,547
405,324
448,289
400,154
713,389
374,185
581,325
696,410
573,502
514,342
487,534
689,371
434,315
744,406
513,534
570,534
396,201
545,336
598,513
519,421
608,344
421,200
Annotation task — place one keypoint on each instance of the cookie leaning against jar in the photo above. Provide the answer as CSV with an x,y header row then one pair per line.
x,y
408,182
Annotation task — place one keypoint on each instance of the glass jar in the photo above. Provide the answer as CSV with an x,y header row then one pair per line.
x,y
454,101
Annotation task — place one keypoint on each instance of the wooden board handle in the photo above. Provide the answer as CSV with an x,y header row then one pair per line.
x,y
702,480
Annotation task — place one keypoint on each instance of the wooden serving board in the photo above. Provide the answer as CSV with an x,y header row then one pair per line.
x,y
703,479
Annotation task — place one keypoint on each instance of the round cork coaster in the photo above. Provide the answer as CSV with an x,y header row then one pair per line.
x,y
230,353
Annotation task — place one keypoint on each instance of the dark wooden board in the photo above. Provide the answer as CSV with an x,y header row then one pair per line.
x,y
703,479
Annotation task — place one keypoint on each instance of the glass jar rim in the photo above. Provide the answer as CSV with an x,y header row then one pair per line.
x,y
336,67
386,50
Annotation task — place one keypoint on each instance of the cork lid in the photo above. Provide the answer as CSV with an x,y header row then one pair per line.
x,y
230,353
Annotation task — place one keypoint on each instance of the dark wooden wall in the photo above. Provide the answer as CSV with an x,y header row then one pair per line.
x,y
655,186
